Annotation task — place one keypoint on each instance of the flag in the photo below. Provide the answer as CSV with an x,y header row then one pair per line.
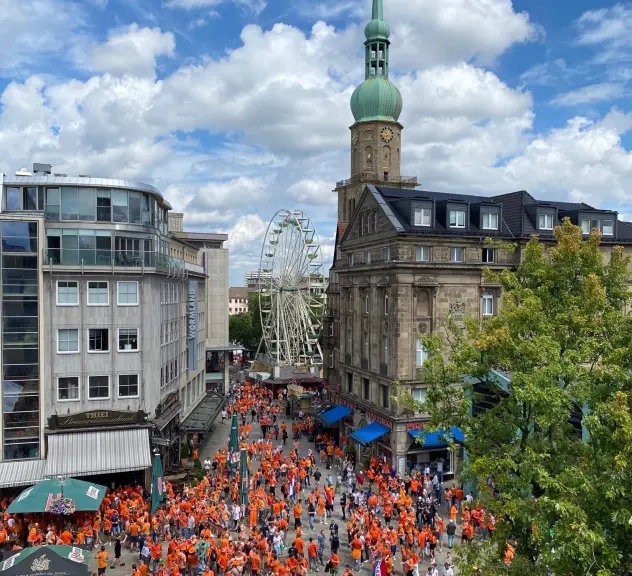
x,y
379,569
158,492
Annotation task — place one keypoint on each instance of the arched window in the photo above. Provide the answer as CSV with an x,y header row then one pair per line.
x,y
488,303
368,153
387,157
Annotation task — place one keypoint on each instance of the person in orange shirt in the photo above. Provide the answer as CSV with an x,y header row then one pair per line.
x,y
312,554
334,562
102,561
255,564
298,510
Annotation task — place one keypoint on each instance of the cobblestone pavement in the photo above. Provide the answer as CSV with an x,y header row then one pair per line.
x,y
219,439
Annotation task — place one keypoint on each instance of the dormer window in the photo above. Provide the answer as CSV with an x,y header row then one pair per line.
x,y
607,227
489,221
545,222
585,225
421,216
457,218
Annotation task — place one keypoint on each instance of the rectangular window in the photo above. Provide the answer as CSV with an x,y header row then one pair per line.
x,y
120,211
585,226
104,206
67,340
128,339
457,254
69,203
87,204
331,359
607,227
419,395
366,388
490,221
98,387
134,208
128,386
127,294
331,329
13,198
488,256
422,216
68,389
374,220
385,303
98,293
67,293
385,396
30,198
384,349
53,202
422,254
98,340
361,226
421,354
457,218
545,222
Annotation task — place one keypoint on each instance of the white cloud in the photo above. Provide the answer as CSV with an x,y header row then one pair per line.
x,y
604,91
256,6
241,191
35,28
132,50
606,25
247,233
311,191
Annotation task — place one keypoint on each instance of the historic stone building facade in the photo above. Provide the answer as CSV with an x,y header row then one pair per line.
x,y
407,258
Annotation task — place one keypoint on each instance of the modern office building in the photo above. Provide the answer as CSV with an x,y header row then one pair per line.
x,y
407,258
214,257
104,327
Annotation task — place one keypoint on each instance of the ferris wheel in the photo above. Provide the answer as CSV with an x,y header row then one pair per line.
x,y
290,290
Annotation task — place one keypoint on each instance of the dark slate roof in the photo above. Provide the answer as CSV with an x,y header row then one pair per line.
x,y
518,213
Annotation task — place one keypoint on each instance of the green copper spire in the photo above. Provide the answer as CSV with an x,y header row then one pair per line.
x,y
377,98
378,12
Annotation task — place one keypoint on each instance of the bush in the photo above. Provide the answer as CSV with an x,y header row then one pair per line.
x,y
350,449
184,452
200,476
197,463
194,483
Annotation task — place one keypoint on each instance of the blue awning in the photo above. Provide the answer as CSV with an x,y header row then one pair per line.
x,y
369,433
438,439
332,416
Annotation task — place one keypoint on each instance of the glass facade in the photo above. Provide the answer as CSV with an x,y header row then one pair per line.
x,y
20,341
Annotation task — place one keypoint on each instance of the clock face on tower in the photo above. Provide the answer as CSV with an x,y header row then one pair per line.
x,y
354,138
386,134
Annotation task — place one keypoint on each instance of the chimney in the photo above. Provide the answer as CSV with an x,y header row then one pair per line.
x,y
175,221
42,168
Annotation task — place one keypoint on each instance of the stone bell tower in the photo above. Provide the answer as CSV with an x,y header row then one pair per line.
x,y
376,134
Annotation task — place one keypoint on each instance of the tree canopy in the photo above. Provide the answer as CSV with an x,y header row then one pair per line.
x,y
245,328
562,339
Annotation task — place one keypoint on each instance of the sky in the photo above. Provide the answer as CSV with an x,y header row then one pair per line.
x,y
235,109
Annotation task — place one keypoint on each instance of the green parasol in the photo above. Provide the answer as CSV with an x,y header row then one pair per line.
x,y
42,496
243,478
158,493
233,445
46,560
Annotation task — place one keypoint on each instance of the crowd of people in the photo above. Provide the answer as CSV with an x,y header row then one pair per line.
x,y
289,527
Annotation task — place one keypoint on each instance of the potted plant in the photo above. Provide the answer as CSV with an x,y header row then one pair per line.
x,y
184,454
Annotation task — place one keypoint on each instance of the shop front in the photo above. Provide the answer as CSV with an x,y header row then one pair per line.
x,y
107,446
432,450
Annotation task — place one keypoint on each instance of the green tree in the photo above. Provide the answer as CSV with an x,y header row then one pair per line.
x,y
563,338
245,328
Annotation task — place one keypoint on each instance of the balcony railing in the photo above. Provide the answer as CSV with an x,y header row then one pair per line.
x,y
377,177
383,369
117,258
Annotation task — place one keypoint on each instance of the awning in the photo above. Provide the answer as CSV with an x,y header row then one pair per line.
x,y
369,433
332,416
204,414
100,452
21,473
439,439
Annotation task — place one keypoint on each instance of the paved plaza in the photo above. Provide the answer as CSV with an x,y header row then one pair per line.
x,y
219,439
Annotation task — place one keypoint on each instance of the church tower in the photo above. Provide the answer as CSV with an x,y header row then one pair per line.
x,y
376,134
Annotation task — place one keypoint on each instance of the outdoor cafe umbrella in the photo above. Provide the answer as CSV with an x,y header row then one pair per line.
x,y
244,479
39,560
233,445
43,496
